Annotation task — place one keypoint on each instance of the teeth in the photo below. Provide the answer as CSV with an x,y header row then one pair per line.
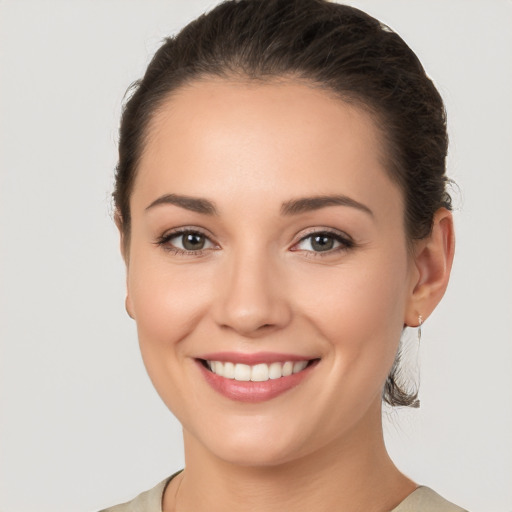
x,y
299,366
229,370
257,373
275,371
242,372
287,368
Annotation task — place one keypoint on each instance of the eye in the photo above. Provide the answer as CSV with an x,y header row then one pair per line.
x,y
186,241
323,241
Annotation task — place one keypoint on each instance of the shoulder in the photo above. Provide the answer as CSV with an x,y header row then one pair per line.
x,y
424,499
149,501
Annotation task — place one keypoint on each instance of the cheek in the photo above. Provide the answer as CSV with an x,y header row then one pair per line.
x,y
168,304
359,309
168,301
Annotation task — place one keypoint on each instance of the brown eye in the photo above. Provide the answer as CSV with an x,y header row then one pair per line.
x,y
322,242
186,241
193,241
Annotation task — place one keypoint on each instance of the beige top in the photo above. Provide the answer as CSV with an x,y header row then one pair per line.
x,y
423,499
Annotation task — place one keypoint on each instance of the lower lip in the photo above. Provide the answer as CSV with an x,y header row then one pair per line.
x,y
248,391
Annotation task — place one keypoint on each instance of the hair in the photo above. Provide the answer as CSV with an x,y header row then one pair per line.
x,y
332,46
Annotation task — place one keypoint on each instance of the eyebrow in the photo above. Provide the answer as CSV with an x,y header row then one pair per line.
x,y
292,207
193,204
307,204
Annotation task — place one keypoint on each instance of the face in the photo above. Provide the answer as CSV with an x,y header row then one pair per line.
x,y
268,244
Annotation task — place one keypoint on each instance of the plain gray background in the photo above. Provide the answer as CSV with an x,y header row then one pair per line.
x,y
80,425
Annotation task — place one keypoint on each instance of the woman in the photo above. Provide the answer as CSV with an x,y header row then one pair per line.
x,y
281,200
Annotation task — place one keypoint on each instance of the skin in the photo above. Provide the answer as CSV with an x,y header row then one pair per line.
x,y
258,285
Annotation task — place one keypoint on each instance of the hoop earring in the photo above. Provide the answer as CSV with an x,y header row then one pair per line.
x,y
420,323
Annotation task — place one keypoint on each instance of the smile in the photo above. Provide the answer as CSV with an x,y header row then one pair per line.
x,y
257,373
256,382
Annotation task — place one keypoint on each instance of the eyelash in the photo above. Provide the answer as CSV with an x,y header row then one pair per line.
x,y
164,242
346,243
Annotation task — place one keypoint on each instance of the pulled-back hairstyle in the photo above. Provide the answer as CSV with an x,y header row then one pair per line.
x,y
335,47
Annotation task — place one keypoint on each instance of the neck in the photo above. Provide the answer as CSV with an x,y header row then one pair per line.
x,y
352,473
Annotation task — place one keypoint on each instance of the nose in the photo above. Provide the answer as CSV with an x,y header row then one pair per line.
x,y
252,298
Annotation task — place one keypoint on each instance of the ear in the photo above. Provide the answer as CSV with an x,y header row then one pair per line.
x,y
433,262
123,245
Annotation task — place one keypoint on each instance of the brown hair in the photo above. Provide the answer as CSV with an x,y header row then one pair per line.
x,y
328,45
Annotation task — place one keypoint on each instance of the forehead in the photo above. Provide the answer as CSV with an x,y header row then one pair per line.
x,y
275,138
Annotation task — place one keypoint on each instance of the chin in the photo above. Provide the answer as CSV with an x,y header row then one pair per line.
x,y
251,454
256,441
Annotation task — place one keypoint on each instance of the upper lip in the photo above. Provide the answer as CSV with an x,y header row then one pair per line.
x,y
254,358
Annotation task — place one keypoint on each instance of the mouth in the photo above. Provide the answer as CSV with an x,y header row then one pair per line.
x,y
257,382
261,372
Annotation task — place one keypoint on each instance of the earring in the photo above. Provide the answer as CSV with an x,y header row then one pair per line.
x,y
420,322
